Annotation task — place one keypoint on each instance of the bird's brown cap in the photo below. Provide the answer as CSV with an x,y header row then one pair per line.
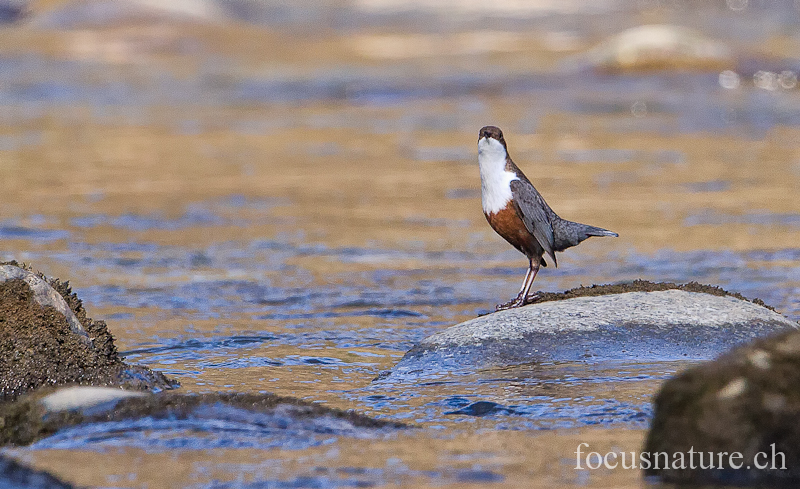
x,y
492,132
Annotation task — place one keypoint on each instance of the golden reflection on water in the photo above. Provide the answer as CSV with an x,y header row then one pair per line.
x,y
372,190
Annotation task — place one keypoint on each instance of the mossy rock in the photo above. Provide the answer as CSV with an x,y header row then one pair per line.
x,y
39,346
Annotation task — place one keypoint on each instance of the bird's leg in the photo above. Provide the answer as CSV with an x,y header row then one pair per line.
x,y
528,299
523,292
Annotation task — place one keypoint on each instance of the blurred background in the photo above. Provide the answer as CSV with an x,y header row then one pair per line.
x,y
284,197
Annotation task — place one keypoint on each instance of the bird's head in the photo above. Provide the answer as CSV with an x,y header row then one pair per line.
x,y
490,138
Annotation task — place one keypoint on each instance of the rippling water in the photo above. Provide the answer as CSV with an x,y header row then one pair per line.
x,y
253,209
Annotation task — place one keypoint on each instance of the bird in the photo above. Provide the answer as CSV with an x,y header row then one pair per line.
x,y
519,214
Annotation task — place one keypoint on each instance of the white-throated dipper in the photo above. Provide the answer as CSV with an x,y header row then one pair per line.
x,y
518,213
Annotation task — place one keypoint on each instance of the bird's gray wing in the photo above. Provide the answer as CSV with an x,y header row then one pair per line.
x,y
533,211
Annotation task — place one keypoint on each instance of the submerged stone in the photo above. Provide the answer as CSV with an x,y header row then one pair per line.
x,y
658,325
745,402
257,420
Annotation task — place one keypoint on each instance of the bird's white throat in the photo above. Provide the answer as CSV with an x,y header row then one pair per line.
x,y
495,179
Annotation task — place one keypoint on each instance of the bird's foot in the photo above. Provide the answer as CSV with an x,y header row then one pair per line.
x,y
518,302
532,299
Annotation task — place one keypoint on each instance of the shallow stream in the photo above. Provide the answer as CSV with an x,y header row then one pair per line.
x,y
289,206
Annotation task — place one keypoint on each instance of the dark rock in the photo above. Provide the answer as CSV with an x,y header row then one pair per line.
x,y
45,295
40,346
746,401
482,408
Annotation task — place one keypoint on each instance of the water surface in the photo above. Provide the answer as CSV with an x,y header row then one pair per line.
x,y
292,219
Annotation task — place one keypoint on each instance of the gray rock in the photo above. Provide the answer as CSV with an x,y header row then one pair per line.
x,y
634,326
746,402
45,295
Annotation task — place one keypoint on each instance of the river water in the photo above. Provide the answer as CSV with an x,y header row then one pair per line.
x,y
288,205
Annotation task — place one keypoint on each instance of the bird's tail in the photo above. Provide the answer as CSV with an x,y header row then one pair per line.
x,y
568,233
595,231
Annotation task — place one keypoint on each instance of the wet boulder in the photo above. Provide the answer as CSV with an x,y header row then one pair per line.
x,y
745,405
46,339
636,322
